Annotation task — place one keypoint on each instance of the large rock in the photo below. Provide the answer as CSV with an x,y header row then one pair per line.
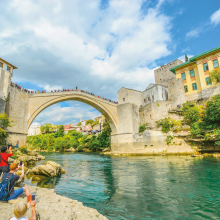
x,y
70,150
10,160
28,160
49,169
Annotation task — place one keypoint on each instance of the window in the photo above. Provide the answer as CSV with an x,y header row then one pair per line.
x,y
123,99
152,97
145,100
186,89
162,95
205,66
183,75
8,68
208,81
192,73
148,98
1,64
194,86
215,63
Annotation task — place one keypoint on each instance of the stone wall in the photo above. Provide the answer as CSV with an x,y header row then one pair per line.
x,y
204,95
128,116
163,74
5,81
154,112
129,96
150,142
2,106
176,92
17,110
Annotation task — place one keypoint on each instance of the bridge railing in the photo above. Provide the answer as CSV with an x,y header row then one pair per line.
x,y
60,90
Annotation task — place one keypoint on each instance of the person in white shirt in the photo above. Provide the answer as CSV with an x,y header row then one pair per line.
x,y
21,210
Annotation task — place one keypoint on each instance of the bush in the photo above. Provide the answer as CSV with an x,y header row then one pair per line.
x,y
167,124
3,136
215,75
212,112
23,150
142,128
168,139
191,113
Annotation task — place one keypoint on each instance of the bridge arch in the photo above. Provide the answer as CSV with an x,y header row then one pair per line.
x,y
40,101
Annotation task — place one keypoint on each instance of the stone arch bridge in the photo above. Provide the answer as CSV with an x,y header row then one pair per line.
x,y
40,101
123,118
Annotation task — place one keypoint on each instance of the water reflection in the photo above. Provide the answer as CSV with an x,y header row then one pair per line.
x,y
171,187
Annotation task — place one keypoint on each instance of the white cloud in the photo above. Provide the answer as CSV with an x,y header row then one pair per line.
x,y
57,114
215,17
77,43
118,43
194,33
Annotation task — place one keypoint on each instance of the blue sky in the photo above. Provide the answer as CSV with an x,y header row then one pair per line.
x,y
100,46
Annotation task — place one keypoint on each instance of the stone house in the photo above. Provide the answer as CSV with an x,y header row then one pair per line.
x,y
154,93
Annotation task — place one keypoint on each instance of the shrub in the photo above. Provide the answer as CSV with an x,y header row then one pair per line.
x,y
196,130
191,113
167,124
142,128
168,139
23,150
90,121
212,112
215,75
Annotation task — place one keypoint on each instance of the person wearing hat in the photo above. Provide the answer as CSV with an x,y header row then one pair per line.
x,y
15,193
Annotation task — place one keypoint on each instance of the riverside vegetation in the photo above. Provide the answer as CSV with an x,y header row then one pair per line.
x,y
74,140
203,121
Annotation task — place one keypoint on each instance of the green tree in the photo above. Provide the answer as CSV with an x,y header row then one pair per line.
x,y
186,58
5,122
215,76
95,123
212,112
79,124
191,113
90,121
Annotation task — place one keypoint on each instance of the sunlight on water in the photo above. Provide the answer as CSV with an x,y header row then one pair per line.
x,y
169,187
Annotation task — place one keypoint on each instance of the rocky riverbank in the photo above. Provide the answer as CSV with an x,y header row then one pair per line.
x,y
52,207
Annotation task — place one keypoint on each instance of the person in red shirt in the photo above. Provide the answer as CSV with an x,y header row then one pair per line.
x,y
4,159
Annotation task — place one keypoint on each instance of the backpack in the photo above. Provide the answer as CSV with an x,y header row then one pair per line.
x,y
4,187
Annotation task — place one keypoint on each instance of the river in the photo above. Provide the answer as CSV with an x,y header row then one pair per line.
x,y
140,187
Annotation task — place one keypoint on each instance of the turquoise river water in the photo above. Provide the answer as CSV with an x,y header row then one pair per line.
x,y
140,187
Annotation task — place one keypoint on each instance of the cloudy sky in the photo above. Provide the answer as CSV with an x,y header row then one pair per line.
x,y
100,45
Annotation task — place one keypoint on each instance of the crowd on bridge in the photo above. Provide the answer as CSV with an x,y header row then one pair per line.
x,y
60,90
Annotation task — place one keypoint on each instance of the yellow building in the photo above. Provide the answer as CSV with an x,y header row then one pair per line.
x,y
195,74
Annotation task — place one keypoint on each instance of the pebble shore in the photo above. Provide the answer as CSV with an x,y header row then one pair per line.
x,y
52,207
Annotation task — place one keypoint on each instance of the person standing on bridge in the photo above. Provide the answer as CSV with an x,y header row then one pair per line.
x,y
76,87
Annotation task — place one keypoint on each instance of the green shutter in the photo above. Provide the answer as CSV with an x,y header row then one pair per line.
x,y
192,73
183,76
215,63
194,86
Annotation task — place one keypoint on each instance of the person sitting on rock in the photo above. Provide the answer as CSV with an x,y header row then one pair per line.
x,y
4,167
21,210
15,193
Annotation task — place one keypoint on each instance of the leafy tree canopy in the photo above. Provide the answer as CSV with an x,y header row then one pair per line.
x,y
90,121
